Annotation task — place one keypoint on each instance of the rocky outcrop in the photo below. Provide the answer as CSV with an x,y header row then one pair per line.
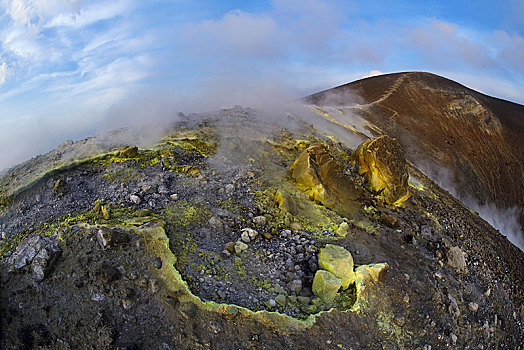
x,y
320,176
382,162
337,273
369,274
38,253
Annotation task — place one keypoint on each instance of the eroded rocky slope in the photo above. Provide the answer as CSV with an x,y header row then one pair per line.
x,y
233,233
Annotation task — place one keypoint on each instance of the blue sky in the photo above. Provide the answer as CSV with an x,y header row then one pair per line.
x,y
73,68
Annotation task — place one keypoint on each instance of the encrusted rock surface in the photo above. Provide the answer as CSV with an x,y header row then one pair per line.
x,y
110,237
384,165
321,177
339,262
326,285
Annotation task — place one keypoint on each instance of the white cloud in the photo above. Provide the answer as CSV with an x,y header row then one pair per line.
x,y
33,13
238,33
37,30
314,24
44,45
24,44
104,85
371,73
91,14
511,50
5,71
103,41
488,84
445,44
291,27
31,84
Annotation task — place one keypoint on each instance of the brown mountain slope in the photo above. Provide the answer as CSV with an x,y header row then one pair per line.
x,y
480,139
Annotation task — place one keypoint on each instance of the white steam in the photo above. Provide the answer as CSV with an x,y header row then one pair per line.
x,y
505,220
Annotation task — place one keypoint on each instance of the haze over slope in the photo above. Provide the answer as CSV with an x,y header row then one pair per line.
x,y
472,144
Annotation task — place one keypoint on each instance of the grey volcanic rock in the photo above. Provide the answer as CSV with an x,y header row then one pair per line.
x,y
39,253
456,258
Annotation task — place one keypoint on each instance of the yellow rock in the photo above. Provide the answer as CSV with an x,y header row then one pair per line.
x,y
368,276
382,162
97,206
343,229
316,173
61,187
286,203
371,272
339,262
106,212
326,285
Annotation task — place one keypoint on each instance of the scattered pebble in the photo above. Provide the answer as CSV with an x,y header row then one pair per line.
x,y
162,189
216,223
250,233
285,233
295,226
126,304
473,307
97,296
240,247
453,338
245,237
281,300
157,263
267,235
456,258
259,220
295,286
135,199
153,286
